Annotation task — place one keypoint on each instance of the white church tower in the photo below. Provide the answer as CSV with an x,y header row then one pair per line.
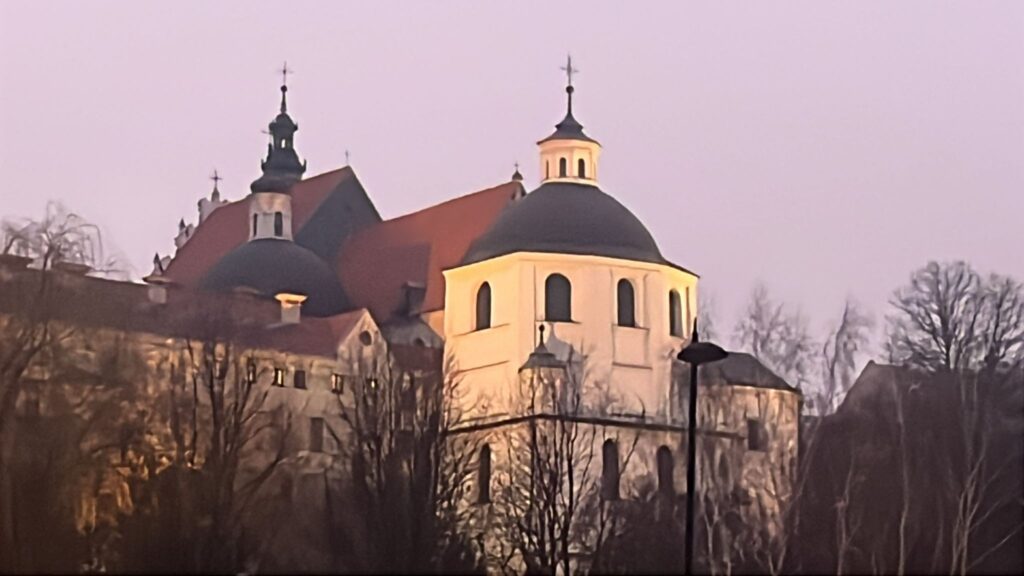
x,y
569,257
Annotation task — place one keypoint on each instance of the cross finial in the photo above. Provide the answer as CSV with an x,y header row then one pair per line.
x,y
216,178
568,69
285,71
347,163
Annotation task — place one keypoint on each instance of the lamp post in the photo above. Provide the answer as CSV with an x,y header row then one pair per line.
x,y
695,353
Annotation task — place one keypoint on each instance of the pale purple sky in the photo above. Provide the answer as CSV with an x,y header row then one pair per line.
x,y
825,148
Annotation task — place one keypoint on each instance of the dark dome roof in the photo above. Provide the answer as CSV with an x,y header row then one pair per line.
x,y
272,266
567,218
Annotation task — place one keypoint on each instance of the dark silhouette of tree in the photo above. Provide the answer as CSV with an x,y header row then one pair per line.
x,y
397,502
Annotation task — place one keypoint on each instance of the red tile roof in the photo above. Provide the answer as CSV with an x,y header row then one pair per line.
x,y
378,260
318,336
374,262
228,227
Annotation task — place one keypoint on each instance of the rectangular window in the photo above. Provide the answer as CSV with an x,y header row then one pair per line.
x,y
250,372
755,435
316,434
337,383
278,377
300,379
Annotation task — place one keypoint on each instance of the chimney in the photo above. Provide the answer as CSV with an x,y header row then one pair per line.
x,y
413,293
157,292
291,306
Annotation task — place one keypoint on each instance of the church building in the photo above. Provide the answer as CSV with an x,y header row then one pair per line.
x,y
476,275
504,283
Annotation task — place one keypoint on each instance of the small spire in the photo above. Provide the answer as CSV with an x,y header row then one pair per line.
x,y
541,330
694,336
516,176
158,266
569,71
181,225
215,196
347,162
285,71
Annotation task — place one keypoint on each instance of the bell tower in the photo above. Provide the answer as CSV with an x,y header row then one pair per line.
x,y
270,205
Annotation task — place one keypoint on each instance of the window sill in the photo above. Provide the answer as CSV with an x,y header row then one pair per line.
x,y
637,328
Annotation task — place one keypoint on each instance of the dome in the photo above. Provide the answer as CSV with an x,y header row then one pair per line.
x,y
272,266
567,218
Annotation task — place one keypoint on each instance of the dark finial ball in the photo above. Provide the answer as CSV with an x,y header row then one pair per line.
x,y
284,88
569,89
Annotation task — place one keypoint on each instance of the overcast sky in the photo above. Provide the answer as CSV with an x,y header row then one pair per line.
x,y
826,149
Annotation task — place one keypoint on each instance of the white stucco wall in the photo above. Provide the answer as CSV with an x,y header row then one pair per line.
x,y
264,205
634,363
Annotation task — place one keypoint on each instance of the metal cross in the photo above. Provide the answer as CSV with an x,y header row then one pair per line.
x,y
568,69
216,178
346,158
517,166
285,71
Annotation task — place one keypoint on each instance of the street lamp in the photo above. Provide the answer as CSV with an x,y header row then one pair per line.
x,y
695,354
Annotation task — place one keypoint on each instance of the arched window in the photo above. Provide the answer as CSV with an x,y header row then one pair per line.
x,y
563,167
278,224
483,494
675,314
254,219
547,169
581,168
483,306
557,299
610,470
666,471
627,303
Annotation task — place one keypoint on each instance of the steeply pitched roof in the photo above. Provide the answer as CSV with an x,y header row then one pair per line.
x,y
335,198
379,260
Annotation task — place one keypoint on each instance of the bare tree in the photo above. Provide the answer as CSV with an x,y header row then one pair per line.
x,y
839,357
554,511
60,236
937,318
28,328
396,504
776,336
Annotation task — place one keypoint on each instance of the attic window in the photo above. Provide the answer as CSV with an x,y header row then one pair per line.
x,y
278,224
366,338
581,168
563,167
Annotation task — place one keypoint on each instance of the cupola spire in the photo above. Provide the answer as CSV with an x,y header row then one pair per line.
x,y
282,167
568,154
